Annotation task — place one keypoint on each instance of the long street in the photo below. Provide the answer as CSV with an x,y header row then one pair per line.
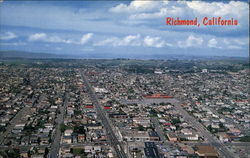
x,y
102,116
55,146
158,129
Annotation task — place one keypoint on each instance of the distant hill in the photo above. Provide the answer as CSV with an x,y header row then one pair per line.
x,y
35,55
29,55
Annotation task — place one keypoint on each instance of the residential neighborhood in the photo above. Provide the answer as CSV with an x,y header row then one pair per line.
x,y
48,110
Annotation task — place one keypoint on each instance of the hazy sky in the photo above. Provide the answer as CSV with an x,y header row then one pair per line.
x,y
122,27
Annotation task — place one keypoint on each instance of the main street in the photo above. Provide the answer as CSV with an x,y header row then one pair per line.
x,y
55,146
221,148
158,129
102,116
160,132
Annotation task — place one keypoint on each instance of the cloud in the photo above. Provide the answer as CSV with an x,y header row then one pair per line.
x,y
108,41
55,39
45,38
191,41
154,42
85,38
37,36
242,41
138,6
162,13
134,40
236,43
130,40
212,43
145,28
154,9
8,36
234,8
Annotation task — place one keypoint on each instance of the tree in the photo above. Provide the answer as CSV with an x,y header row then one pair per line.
x,y
245,139
79,129
77,151
175,121
46,152
63,127
141,128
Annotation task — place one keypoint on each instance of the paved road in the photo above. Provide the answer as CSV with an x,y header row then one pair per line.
x,y
3,147
221,148
101,114
158,129
55,146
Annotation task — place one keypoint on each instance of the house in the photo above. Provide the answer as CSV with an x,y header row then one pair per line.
x,y
172,137
90,148
34,140
24,152
235,131
190,137
67,139
188,134
107,107
93,126
89,106
145,122
223,136
186,131
37,156
68,132
25,140
81,138
232,137
187,148
118,115
153,136
41,150
44,140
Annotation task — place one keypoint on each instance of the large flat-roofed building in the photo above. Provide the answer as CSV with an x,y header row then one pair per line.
x,y
206,151
137,136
